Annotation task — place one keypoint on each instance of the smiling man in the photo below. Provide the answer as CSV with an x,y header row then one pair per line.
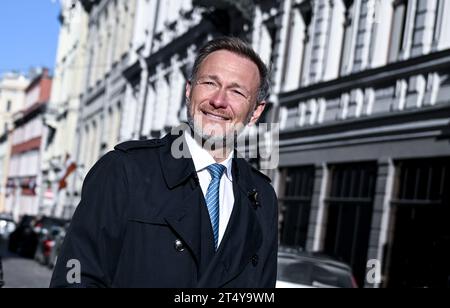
x,y
148,218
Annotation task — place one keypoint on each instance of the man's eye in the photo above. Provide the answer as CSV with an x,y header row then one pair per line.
x,y
208,83
239,93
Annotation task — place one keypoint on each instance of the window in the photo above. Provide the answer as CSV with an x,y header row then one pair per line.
x,y
295,205
420,232
8,106
438,19
350,205
398,29
297,44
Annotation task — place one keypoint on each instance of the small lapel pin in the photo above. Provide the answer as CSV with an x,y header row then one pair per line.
x,y
253,196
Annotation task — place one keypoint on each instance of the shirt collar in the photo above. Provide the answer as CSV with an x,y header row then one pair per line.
x,y
203,159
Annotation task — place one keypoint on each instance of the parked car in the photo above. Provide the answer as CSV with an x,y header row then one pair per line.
x,y
7,226
49,245
58,240
31,233
23,240
299,269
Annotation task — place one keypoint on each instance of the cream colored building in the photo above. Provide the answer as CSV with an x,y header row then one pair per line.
x,y
109,40
64,104
12,99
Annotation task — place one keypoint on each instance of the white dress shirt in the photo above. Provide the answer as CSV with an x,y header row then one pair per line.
x,y
202,159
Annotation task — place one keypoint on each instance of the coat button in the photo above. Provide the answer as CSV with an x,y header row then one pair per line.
x,y
179,245
255,260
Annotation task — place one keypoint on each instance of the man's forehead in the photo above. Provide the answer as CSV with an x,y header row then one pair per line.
x,y
230,56
230,61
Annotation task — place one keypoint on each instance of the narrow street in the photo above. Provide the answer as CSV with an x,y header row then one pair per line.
x,y
25,273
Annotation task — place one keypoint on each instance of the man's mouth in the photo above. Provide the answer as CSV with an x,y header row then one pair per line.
x,y
216,117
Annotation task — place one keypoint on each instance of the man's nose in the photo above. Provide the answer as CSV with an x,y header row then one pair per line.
x,y
219,99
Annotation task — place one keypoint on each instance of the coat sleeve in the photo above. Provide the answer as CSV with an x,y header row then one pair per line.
x,y
93,243
270,266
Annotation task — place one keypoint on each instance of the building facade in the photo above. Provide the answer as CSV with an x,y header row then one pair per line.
x,y
109,38
28,140
364,146
12,99
58,159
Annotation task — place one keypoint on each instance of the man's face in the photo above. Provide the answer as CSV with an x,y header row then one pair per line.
x,y
222,99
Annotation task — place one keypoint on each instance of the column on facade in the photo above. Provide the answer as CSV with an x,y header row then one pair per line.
x,y
90,149
317,220
109,39
257,24
163,94
142,32
120,29
381,217
442,33
85,138
366,28
262,38
406,44
296,41
351,34
381,32
115,30
104,28
424,26
130,8
162,18
282,23
177,91
322,11
128,130
265,48
90,68
334,44
150,102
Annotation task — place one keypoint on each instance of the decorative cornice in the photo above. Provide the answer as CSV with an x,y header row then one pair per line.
x,y
438,61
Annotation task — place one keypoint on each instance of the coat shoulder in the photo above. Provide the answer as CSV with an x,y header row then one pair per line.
x,y
137,145
261,175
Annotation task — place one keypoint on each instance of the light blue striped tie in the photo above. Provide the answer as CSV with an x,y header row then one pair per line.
x,y
212,198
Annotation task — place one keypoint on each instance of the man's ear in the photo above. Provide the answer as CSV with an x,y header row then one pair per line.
x,y
257,112
188,88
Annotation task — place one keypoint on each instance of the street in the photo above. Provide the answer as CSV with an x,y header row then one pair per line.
x,y
25,273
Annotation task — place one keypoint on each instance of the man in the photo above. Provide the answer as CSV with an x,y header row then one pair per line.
x,y
150,217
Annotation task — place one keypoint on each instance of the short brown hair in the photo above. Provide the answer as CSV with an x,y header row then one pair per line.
x,y
237,46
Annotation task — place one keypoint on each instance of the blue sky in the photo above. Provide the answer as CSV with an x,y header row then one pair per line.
x,y
28,34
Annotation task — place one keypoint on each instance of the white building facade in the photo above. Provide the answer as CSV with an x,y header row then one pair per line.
x,y
109,38
63,108
12,99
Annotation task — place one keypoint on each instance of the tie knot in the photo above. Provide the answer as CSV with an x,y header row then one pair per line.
x,y
216,170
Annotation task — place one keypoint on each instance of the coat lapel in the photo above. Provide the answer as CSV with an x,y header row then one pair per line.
x,y
243,236
183,207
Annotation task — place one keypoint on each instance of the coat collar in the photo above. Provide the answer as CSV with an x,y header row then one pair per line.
x,y
174,161
179,168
